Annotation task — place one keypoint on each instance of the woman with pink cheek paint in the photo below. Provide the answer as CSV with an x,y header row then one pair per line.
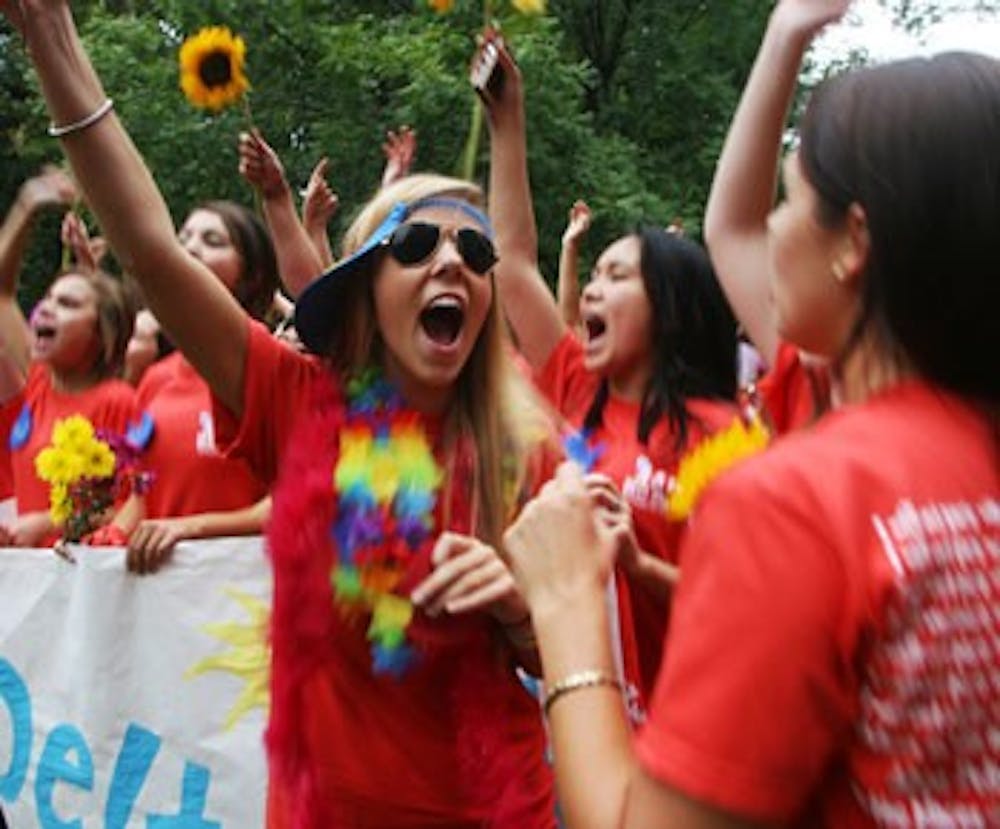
x,y
65,362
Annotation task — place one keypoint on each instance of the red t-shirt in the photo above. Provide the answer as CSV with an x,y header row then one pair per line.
x,y
834,652
793,394
456,740
191,476
8,414
108,405
643,472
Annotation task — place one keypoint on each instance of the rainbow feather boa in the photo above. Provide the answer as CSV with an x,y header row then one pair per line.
x,y
386,482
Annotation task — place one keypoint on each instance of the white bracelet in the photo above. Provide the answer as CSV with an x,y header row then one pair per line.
x,y
83,123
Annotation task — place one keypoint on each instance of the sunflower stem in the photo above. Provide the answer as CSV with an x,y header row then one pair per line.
x,y
471,151
248,116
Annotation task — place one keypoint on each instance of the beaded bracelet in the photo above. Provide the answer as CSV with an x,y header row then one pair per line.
x,y
83,123
576,681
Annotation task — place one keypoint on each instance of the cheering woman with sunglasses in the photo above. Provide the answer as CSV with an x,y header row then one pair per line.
x,y
400,451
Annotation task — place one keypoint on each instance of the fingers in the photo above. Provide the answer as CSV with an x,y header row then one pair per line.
x,y
319,202
318,175
50,186
468,575
150,545
558,545
489,65
259,163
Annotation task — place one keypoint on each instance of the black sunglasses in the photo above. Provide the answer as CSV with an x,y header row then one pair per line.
x,y
414,243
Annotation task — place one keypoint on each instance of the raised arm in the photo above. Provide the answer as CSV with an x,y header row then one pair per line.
x,y
123,196
568,287
298,260
50,187
562,554
319,204
400,148
743,190
528,303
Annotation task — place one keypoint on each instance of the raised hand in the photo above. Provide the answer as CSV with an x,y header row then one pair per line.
x,y
807,17
87,251
260,165
50,187
496,78
579,222
400,148
319,202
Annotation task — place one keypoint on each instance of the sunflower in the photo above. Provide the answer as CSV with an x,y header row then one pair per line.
x,y
212,68
530,6
709,459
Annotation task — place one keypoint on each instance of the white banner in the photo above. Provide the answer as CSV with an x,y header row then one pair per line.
x,y
134,701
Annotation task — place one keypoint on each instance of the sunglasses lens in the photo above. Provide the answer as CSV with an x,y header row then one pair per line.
x,y
476,249
412,243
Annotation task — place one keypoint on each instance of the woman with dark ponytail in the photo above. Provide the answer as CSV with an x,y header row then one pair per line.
x,y
833,649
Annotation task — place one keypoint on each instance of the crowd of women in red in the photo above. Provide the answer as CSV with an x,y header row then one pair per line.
x,y
463,481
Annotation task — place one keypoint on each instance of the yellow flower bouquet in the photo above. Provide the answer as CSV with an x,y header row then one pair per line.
x,y
87,472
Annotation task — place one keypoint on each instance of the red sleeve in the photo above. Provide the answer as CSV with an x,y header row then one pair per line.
x,y
153,379
9,411
794,395
756,687
279,383
564,381
120,407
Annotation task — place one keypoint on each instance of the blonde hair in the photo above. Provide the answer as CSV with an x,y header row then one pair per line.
x,y
494,406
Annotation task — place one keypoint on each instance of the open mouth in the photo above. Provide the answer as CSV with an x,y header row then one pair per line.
x,y
44,332
595,327
442,319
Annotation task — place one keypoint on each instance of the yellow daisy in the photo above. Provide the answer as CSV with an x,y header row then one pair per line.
x,y
98,461
55,465
72,433
211,62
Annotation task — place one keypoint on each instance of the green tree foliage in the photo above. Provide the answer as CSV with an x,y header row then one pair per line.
x,y
628,100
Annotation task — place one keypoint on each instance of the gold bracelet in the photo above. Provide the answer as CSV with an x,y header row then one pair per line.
x,y
576,681
88,120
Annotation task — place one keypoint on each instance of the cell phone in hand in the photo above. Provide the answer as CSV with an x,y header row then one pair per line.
x,y
488,75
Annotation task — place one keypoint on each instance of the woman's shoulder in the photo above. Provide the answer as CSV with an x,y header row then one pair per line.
x,y
909,441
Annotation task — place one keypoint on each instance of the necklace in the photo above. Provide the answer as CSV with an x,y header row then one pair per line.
x,y
386,484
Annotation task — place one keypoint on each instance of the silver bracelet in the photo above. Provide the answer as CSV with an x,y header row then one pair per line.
x,y
83,123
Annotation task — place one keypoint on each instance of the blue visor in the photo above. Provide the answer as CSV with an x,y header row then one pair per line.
x,y
318,308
